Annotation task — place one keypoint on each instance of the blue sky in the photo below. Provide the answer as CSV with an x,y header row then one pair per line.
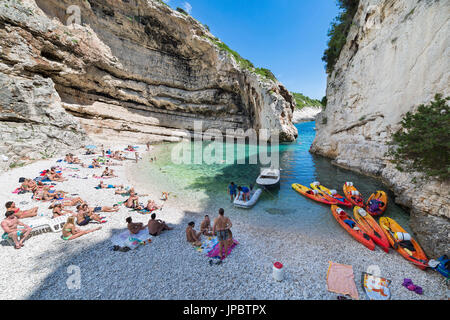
x,y
286,36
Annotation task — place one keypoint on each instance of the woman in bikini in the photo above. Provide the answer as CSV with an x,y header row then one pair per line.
x,y
151,206
70,231
44,194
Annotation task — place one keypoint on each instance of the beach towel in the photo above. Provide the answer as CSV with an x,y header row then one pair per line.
x,y
77,176
215,251
376,288
110,186
145,211
340,280
127,239
207,245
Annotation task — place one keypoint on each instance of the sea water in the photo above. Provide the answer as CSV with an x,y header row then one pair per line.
x,y
206,185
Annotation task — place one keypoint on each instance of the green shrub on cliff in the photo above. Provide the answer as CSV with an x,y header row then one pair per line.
x,y
304,101
338,32
423,142
182,11
243,63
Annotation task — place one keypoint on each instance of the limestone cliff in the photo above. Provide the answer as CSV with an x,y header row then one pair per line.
x,y
133,71
396,58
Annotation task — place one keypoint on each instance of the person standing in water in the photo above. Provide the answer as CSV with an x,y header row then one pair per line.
x,y
232,191
221,226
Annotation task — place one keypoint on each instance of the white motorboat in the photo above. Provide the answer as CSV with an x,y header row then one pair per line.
x,y
268,177
254,197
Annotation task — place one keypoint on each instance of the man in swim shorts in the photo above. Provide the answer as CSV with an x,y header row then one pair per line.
x,y
221,226
10,226
156,226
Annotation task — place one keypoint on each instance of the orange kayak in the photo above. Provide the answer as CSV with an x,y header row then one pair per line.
x,y
371,227
353,195
356,232
313,194
383,200
415,255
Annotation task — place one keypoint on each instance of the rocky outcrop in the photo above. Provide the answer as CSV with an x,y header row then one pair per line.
x,y
395,59
306,114
131,71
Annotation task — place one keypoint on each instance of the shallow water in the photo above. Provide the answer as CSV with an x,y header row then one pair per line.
x,y
207,184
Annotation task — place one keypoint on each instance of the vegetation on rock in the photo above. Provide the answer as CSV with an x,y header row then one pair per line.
x,y
243,63
304,101
338,32
423,142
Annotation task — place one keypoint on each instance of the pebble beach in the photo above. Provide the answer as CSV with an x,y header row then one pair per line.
x,y
169,267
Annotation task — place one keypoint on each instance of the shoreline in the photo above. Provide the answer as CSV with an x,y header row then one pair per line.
x,y
168,268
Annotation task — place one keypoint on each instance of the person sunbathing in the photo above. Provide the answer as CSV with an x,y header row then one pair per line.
x,y
133,201
67,202
44,194
118,156
134,227
10,226
29,185
21,214
70,231
84,216
155,227
151,206
101,185
108,173
54,176
96,164
205,227
59,211
121,190
93,210
192,236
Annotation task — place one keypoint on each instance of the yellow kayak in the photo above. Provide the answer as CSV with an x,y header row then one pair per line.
x,y
394,232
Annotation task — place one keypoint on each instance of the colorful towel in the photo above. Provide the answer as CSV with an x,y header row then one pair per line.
x,y
376,288
207,245
215,250
340,280
127,239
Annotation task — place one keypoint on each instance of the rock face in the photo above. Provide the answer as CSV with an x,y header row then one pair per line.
x,y
133,71
395,59
306,114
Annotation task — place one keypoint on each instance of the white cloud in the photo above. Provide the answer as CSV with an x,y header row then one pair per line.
x,y
187,7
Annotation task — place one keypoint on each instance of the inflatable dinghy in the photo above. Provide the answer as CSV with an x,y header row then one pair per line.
x,y
254,197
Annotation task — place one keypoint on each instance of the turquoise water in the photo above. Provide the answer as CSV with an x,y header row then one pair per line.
x,y
207,184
